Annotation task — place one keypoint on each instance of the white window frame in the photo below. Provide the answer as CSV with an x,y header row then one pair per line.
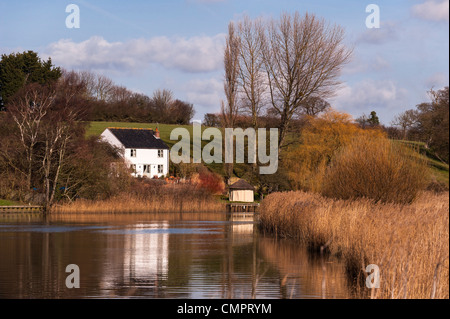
x,y
160,153
147,168
133,152
160,169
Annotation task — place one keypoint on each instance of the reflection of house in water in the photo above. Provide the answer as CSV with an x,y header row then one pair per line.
x,y
146,252
242,223
137,259
242,227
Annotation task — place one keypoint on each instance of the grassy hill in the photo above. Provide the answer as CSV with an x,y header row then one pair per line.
x,y
439,170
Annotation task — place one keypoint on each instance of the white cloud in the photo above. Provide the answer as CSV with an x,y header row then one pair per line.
x,y
361,64
437,80
382,96
196,54
387,32
207,94
434,10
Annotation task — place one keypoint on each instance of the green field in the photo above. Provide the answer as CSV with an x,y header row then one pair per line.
x,y
5,202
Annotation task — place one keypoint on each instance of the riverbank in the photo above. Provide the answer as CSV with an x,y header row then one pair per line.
x,y
173,200
409,243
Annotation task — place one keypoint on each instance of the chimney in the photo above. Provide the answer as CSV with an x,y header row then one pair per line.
x,y
156,133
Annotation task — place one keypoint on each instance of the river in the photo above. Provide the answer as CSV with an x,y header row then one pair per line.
x,y
204,255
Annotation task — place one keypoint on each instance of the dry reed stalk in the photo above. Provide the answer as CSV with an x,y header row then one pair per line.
x,y
134,204
407,242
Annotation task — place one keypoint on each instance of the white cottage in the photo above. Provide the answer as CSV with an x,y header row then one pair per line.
x,y
241,191
144,151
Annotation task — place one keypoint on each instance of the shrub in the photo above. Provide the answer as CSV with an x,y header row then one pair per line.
x,y
320,139
209,181
375,168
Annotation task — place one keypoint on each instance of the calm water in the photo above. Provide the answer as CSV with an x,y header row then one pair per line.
x,y
158,256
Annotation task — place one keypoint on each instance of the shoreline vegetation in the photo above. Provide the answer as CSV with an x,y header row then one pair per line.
x,y
129,204
408,242
170,199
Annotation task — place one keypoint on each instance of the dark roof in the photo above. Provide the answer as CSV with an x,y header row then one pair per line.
x,y
241,185
138,138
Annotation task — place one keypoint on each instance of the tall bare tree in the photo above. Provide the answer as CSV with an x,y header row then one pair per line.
x,y
252,82
231,64
303,57
56,137
28,109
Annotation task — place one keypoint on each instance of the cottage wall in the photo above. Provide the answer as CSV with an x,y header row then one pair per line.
x,y
143,157
241,196
148,157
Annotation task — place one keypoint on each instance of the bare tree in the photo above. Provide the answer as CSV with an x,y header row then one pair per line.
x,y
161,102
312,106
230,110
163,97
231,64
119,94
56,137
362,121
251,78
303,57
103,88
28,109
406,121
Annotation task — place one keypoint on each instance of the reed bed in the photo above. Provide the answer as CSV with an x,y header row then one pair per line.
x,y
409,243
169,199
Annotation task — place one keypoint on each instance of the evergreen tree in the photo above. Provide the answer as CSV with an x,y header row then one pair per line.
x,y
373,119
20,69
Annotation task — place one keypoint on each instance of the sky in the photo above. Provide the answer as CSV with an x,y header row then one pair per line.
x,y
178,45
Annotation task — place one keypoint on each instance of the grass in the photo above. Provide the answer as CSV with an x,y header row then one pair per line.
x,y
439,169
6,202
409,243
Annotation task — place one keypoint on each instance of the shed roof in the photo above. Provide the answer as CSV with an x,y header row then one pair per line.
x,y
241,185
138,138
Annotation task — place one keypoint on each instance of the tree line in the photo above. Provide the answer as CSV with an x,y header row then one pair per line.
x,y
44,153
428,123
100,97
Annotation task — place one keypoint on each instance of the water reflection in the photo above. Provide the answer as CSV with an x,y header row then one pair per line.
x,y
158,256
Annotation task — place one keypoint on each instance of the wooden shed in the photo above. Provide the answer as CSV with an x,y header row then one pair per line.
x,y
241,191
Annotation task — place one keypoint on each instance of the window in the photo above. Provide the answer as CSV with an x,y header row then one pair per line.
x,y
133,152
160,153
133,167
147,169
160,169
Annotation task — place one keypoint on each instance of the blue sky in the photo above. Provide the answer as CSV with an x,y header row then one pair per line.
x,y
178,45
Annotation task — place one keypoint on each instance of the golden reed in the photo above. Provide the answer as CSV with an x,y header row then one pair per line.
x,y
136,204
409,243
